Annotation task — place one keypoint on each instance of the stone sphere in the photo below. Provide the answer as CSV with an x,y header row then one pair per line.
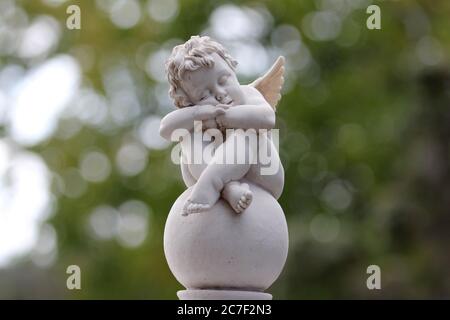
x,y
220,248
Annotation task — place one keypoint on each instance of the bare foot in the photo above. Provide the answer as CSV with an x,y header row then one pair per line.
x,y
238,195
192,207
204,195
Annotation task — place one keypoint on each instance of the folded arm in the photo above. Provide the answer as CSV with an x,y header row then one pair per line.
x,y
184,118
181,118
255,114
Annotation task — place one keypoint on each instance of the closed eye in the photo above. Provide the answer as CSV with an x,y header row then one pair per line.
x,y
223,79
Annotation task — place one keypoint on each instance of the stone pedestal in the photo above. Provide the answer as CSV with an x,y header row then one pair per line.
x,y
205,294
220,254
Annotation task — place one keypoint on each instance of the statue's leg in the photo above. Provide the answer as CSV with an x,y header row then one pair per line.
x,y
223,168
188,178
238,195
271,179
192,167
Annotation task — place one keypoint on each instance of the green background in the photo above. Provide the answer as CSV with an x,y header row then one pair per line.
x,y
364,138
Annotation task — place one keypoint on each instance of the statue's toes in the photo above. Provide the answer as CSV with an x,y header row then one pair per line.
x,y
192,207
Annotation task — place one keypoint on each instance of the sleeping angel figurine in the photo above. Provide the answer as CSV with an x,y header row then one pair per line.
x,y
206,91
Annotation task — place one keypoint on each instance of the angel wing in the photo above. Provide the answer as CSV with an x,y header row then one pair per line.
x,y
271,83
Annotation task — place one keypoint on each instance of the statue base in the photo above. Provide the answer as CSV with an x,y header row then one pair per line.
x,y
222,295
235,256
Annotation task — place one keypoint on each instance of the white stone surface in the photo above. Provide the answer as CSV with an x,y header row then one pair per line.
x,y
234,247
222,295
220,249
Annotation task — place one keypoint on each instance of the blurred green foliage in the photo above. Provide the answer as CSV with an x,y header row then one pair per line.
x,y
364,140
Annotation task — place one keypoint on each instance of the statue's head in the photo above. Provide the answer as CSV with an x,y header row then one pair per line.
x,y
194,66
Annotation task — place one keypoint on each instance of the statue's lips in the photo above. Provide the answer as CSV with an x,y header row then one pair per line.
x,y
229,103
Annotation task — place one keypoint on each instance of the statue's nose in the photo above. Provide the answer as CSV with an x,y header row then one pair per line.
x,y
220,96
219,93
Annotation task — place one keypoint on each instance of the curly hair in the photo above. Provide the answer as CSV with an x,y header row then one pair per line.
x,y
190,56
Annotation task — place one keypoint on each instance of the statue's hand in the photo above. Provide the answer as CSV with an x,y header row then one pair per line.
x,y
209,124
223,120
227,120
206,112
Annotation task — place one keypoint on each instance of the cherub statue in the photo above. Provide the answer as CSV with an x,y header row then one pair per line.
x,y
204,86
